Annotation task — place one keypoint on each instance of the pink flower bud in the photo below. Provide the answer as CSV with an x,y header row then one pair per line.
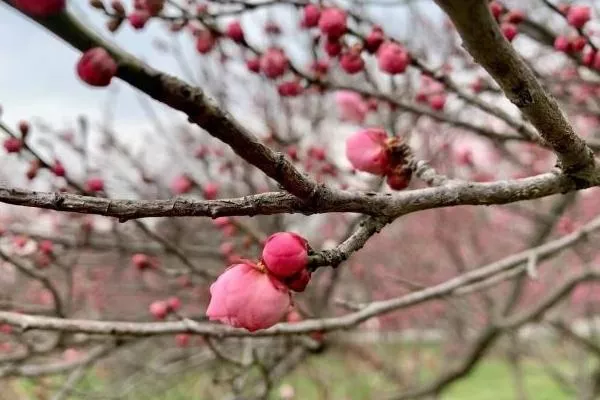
x,y
562,43
253,64
289,89
226,248
274,63
578,43
437,101
588,57
310,16
235,32
514,17
182,339
13,145
333,22
181,184
509,31
271,28
94,185
159,309
210,191
351,106
351,62
24,128
46,247
244,296
141,261
333,47
366,150
294,316
96,67
317,152
565,226
292,152
40,8
374,40
174,304
58,169
299,281
138,19
205,41
596,61
578,16
496,9
392,58
154,7
320,67
399,179
285,254
222,222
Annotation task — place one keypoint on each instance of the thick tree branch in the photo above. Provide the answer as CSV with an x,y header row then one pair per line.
x,y
192,101
453,193
485,42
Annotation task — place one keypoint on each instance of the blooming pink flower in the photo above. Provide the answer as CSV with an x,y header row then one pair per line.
x,y
274,62
244,296
366,150
351,106
578,16
392,58
285,254
96,67
40,8
333,22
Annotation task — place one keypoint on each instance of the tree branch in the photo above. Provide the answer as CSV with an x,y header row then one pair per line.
x,y
485,42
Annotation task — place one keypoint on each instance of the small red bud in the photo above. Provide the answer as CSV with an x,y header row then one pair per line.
x,y
96,67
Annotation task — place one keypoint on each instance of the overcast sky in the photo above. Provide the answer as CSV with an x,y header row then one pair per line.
x,y
37,76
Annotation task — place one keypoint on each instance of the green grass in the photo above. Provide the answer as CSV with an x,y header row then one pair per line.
x,y
492,381
336,376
